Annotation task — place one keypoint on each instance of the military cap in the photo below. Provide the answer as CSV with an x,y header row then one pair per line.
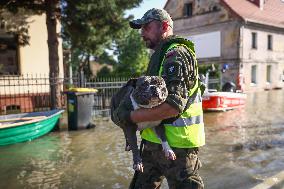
x,y
150,15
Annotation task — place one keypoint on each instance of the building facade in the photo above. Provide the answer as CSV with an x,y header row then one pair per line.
x,y
245,38
24,69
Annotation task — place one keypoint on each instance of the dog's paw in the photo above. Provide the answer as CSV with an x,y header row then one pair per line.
x,y
127,147
138,167
170,155
141,127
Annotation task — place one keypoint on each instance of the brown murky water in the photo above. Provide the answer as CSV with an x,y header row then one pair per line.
x,y
243,147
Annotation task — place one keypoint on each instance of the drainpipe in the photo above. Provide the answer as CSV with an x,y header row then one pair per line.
x,y
261,4
70,74
241,75
241,42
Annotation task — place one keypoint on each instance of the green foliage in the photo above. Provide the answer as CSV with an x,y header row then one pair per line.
x,y
52,11
93,25
133,57
89,27
214,73
106,58
16,23
36,6
203,68
104,72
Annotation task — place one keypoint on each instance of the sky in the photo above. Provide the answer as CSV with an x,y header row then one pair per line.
x,y
146,5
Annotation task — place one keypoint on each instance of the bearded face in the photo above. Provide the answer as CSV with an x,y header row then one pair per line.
x,y
152,34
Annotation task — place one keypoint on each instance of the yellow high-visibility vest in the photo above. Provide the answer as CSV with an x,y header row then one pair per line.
x,y
187,131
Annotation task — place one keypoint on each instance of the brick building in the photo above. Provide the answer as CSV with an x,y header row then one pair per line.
x,y
244,37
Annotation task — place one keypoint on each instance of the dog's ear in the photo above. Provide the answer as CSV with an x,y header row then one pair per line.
x,y
132,82
142,80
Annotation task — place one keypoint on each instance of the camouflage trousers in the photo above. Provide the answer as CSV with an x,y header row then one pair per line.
x,y
181,173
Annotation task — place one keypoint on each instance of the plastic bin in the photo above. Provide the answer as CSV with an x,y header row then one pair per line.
x,y
80,102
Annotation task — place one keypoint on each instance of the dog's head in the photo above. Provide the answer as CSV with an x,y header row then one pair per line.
x,y
150,91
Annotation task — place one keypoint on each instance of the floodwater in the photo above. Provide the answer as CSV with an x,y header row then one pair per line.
x,y
244,147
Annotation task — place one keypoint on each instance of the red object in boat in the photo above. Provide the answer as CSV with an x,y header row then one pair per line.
x,y
222,101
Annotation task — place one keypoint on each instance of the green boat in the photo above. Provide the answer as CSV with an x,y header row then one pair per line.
x,y
16,128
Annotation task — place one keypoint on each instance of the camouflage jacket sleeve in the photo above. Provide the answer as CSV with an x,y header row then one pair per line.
x,y
178,64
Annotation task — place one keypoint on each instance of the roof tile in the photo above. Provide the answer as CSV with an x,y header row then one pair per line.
x,y
272,13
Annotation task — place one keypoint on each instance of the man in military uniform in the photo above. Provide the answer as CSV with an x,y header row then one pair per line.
x,y
173,59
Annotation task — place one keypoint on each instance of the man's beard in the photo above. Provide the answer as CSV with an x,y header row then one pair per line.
x,y
151,44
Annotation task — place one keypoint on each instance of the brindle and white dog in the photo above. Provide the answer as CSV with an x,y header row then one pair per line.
x,y
144,92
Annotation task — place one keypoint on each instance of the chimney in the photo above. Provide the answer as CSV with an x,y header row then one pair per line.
x,y
259,3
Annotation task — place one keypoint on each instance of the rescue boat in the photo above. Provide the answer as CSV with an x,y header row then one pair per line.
x,y
222,101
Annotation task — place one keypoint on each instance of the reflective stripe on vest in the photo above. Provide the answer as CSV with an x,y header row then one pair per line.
x,y
193,115
188,130
182,122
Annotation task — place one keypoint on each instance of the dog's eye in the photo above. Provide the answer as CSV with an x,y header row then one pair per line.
x,y
144,85
154,89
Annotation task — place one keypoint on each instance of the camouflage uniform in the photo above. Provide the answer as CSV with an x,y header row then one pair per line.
x,y
180,173
179,74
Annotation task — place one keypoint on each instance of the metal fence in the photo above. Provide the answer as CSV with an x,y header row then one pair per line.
x,y
29,93
106,87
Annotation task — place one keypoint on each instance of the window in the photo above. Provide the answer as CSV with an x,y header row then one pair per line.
x,y
215,8
254,40
8,55
188,9
254,74
269,42
2,24
268,73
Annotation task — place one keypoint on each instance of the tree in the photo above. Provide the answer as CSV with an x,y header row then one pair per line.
x,y
93,25
88,25
52,11
104,72
16,24
133,56
106,58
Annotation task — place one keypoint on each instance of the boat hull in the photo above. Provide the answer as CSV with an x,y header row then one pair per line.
x,y
30,130
223,101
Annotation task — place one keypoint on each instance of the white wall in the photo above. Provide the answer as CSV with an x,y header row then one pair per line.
x,y
263,57
207,45
34,57
34,61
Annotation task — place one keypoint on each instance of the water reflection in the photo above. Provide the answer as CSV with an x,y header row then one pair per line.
x,y
36,164
244,147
